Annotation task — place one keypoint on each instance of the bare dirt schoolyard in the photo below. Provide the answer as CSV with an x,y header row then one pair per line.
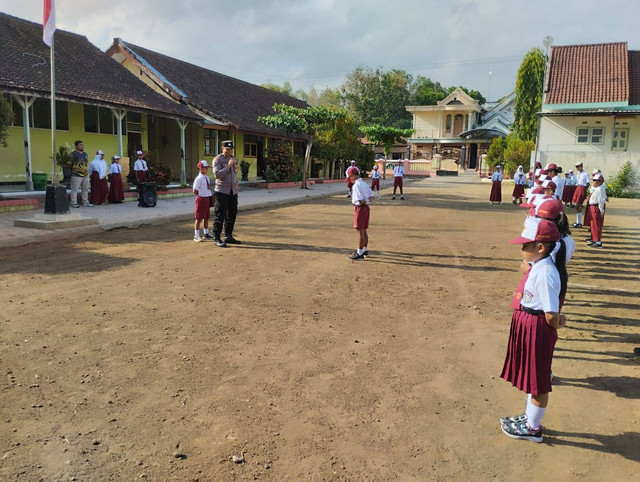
x,y
139,354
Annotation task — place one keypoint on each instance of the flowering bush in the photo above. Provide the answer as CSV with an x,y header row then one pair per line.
x,y
281,166
160,173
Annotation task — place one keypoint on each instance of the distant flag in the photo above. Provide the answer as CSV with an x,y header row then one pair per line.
x,y
49,21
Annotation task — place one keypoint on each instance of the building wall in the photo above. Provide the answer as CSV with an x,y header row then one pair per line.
x,y
426,124
12,158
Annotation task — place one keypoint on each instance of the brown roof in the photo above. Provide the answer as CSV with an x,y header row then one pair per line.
x,y
634,77
588,73
84,73
230,100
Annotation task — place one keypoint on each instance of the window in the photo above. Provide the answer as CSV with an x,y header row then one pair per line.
x,y
448,124
98,119
40,114
620,139
209,142
251,145
590,135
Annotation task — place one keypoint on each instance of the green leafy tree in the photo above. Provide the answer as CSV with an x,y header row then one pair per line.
x,y
529,95
307,122
495,154
624,184
517,152
386,137
6,118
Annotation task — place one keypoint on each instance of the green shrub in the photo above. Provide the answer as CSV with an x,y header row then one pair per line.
x,y
281,166
624,183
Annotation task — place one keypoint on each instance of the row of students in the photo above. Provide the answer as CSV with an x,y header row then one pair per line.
x,y
101,189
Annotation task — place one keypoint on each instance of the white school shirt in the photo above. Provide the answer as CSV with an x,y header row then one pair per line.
x,y
582,179
559,182
202,184
361,192
497,177
398,171
375,174
570,246
140,165
115,168
598,197
519,178
542,288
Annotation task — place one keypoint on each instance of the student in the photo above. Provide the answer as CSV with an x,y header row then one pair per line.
x,y
98,179
596,206
580,193
552,210
518,189
536,319
398,175
116,190
202,190
554,172
375,180
361,196
567,193
141,168
496,186
346,173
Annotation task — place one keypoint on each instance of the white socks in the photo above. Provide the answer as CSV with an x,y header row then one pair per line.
x,y
361,251
579,218
206,231
534,414
197,232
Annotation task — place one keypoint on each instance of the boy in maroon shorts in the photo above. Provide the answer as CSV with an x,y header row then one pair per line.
x,y
361,196
202,190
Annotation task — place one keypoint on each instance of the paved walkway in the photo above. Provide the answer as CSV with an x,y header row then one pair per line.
x,y
129,215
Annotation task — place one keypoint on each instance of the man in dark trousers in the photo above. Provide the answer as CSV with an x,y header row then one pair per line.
x,y
225,210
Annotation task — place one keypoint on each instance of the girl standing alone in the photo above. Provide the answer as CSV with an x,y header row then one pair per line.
x,y
536,319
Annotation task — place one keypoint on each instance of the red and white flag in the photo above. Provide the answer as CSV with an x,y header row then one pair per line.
x,y
49,21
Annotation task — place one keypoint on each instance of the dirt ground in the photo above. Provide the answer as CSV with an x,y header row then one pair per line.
x,y
139,354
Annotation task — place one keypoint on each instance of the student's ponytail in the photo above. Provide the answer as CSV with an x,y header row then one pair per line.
x,y
561,266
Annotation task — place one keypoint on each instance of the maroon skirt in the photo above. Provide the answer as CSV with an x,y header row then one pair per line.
x,y
496,192
116,191
518,191
527,365
99,189
567,194
579,195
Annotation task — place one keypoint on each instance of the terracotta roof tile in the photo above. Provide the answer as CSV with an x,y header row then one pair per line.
x,y
588,73
84,73
231,100
634,77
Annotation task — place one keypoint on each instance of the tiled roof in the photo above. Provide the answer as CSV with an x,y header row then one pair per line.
x,y
230,100
634,77
588,73
84,73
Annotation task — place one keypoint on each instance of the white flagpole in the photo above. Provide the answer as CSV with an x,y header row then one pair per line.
x,y
54,173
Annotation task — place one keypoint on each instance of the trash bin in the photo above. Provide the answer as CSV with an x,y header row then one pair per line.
x,y
39,181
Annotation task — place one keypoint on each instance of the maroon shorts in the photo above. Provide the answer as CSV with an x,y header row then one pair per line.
x,y
141,176
397,181
375,183
579,195
203,207
361,217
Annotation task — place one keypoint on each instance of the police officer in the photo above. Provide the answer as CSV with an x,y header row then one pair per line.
x,y
225,167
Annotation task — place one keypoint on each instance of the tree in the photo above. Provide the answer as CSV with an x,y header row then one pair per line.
x,y
495,154
302,121
517,152
6,117
529,95
385,137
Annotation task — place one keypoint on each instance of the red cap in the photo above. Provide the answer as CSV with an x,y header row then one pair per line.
x,y
536,229
552,167
352,171
549,209
598,177
202,164
549,185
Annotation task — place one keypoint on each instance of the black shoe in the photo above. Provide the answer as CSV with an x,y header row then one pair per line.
x,y
577,225
209,236
355,256
514,201
637,351
596,245
365,254
231,240
220,243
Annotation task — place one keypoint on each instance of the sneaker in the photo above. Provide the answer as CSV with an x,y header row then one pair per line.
x,y
88,205
75,205
349,195
198,239
596,245
637,351
402,197
514,201
231,240
515,419
588,240
522,431
577,225
365,254
220,243
393,197
355,256
209,236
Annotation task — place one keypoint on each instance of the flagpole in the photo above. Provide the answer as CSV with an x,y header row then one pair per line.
x,y
54,173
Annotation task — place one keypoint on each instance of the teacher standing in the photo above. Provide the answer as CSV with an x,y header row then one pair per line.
x,y
225,167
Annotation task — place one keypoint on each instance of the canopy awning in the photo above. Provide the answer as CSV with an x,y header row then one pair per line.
x,y
482,134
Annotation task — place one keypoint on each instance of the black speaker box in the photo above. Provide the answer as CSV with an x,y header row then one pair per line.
x,y
147,195
56,201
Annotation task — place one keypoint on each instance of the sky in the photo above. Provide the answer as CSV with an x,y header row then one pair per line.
x,y
478,44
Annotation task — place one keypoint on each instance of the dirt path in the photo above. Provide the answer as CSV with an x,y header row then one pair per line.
x,y
141,354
